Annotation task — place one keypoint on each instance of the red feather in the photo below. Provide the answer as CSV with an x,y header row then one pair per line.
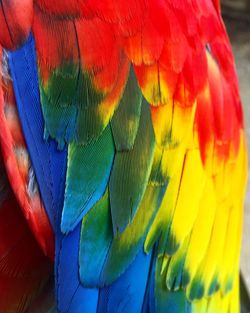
x,y
24,269
15,19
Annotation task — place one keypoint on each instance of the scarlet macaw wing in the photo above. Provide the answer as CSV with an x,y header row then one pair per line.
x,y
165,186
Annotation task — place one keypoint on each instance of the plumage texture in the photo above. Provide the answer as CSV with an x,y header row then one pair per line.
x,y
133,122
24,270
19,168
15,19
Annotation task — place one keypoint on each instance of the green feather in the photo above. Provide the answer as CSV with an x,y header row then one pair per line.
x,y
126,119
176,266
158,176
215,286
126,245
88,172
69,85
96,237
65,98
168,301
130,174
196,289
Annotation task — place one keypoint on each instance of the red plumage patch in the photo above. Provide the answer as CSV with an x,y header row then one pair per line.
x,y
15,22
59,38
23,267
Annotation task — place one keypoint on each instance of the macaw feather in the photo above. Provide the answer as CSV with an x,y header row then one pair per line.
x,y
19,167
128,182
125,122
24,270
88,171
126,293
15,21
96,227
133,124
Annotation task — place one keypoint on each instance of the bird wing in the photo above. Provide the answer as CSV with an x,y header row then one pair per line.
x,y
142,100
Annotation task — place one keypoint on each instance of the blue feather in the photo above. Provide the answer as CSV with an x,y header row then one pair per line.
x,y
48,162
72,297
46,159
126,294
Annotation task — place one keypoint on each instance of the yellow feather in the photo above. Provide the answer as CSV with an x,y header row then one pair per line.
x,y
202,229
165,212
215,304
190,193
200,306
234,303
175,266
208,268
